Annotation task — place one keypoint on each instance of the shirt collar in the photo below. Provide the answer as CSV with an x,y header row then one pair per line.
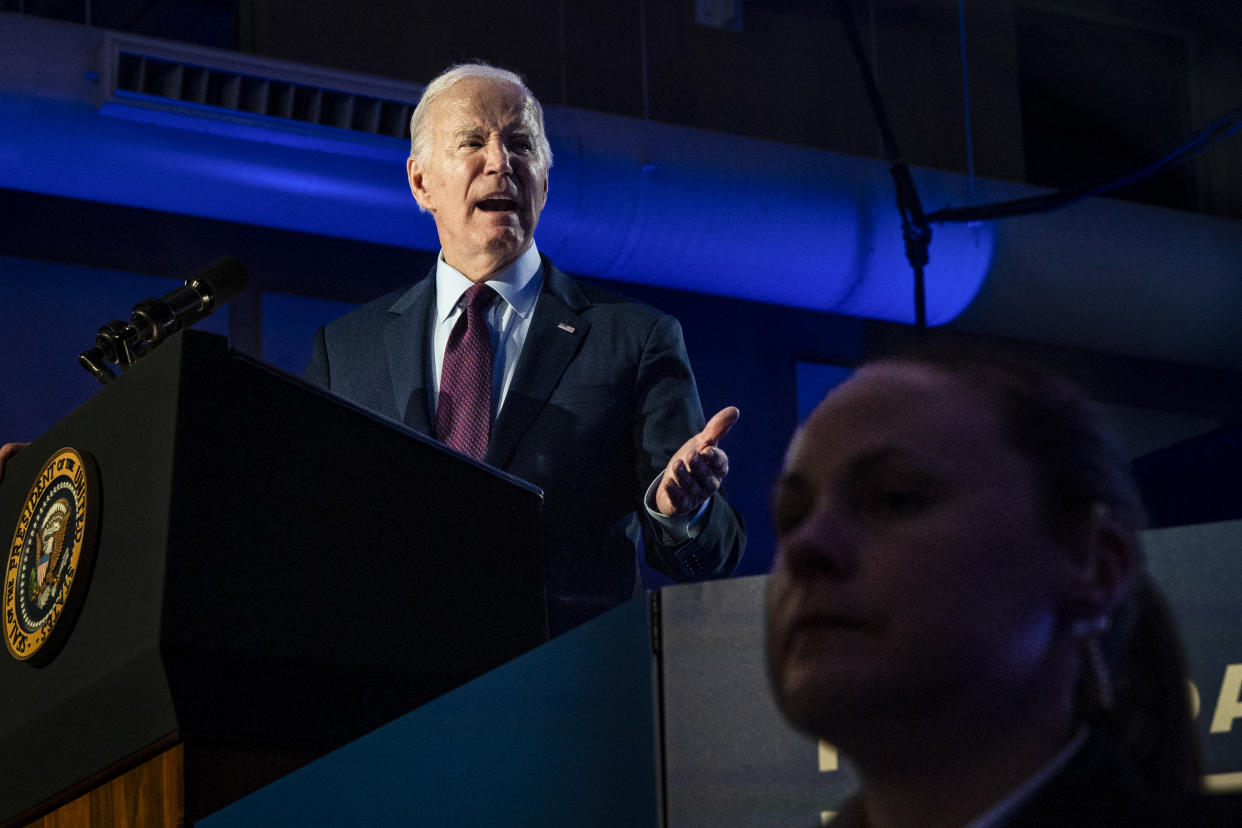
x,y
517,284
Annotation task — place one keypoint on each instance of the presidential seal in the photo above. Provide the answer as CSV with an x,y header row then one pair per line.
x,y
49,560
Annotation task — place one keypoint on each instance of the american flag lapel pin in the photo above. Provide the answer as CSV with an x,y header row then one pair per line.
x,y
565,328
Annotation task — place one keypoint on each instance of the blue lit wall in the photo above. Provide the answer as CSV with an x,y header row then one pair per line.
x,y
289,322
813,381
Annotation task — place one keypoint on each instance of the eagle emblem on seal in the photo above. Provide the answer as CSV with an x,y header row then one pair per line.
x,y
50,557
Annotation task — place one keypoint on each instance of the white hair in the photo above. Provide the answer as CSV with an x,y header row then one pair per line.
x,y
420,124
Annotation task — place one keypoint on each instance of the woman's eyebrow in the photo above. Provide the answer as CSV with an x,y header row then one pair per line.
x,y
877,460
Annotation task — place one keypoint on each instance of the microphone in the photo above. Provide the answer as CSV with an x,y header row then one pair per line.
x,y
154,320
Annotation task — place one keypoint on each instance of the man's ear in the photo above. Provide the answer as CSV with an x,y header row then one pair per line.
x,y
543,197
414,173
1100,568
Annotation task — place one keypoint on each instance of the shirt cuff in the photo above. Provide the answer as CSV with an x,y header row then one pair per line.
x,y
675,530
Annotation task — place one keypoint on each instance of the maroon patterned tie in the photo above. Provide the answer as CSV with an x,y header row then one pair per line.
x,y
464,411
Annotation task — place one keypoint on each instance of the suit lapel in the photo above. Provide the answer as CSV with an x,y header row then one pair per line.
x,y
555,335
407,341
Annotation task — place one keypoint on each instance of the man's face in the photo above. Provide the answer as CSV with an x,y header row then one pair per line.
x,y
915,577
483,179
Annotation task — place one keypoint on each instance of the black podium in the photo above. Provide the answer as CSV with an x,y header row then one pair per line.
x,y
277,572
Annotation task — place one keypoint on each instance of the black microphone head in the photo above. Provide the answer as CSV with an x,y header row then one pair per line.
x,y
224,279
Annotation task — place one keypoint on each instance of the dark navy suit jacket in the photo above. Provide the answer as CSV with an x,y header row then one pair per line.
x,y
601,398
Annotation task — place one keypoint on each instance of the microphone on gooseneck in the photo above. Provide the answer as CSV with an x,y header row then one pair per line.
x,y
154,320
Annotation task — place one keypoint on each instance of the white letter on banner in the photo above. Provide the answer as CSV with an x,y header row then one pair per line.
x,y
1229,705
827,757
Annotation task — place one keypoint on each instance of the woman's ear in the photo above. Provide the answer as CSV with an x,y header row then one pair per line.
x,y
1100,568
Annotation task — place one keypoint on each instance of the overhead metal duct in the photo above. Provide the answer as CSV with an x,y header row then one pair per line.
x,y
107,117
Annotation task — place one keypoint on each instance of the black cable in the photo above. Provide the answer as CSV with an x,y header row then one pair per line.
x,y
1221,128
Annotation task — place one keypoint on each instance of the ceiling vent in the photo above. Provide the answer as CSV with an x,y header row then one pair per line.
x,y
208,82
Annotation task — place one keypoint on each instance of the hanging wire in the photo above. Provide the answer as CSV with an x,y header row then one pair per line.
x,y
875,67
970,145
915,230
561,43
642,38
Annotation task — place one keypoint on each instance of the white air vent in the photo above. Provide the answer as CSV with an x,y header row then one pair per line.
x,y
181,76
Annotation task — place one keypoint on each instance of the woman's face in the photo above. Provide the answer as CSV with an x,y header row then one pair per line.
x,y
914,576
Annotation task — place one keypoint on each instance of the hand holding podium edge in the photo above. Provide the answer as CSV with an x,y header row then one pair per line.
x,y
7,451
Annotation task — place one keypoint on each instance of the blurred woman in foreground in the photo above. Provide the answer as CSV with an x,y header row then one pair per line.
x,y
960,606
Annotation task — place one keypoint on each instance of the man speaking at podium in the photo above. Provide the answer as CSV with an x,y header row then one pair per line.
x,y
503,357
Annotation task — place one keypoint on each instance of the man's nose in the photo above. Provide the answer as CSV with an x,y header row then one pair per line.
x,y
498,158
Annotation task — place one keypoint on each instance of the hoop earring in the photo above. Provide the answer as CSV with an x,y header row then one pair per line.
x,y
1089,633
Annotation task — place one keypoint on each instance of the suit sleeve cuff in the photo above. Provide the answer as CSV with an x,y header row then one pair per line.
x,y
678,529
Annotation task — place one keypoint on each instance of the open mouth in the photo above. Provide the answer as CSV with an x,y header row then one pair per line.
x,y
498,205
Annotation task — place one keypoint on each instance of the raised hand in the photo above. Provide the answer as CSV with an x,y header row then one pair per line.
x,y
698,468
